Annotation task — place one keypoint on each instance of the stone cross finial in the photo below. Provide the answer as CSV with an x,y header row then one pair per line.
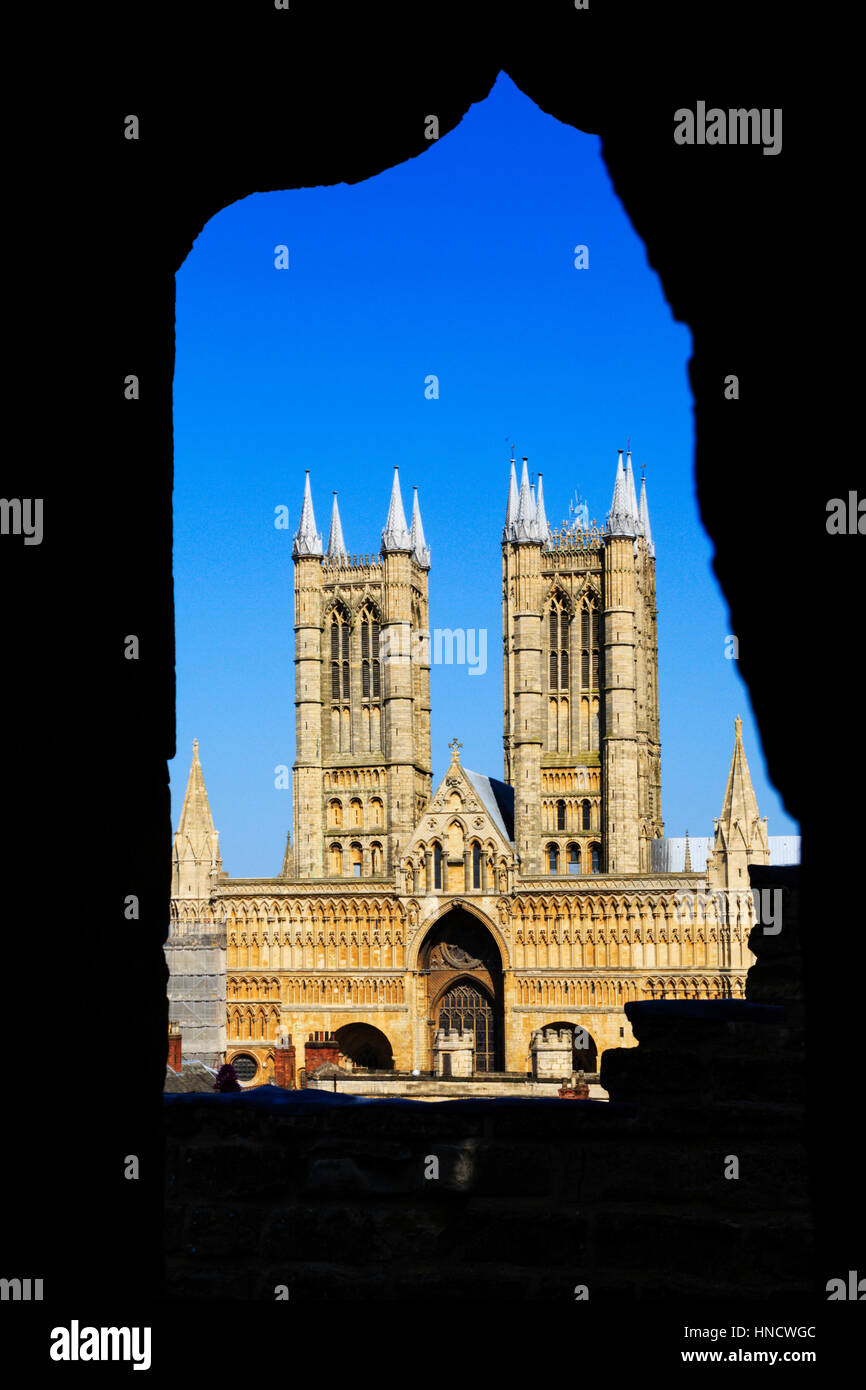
x,y
455,745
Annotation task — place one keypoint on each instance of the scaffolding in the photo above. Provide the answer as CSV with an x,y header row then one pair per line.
x,y
196,958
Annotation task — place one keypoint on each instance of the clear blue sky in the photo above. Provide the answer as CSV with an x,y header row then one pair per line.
x,y
458,263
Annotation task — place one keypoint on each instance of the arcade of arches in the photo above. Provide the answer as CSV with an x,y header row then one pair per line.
x,y
383,979
508,911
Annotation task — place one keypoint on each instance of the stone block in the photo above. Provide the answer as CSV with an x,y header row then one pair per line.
x,y
222,1229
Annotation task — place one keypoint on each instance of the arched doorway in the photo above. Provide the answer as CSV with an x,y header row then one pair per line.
x,y
462,966
584,1049
365,1046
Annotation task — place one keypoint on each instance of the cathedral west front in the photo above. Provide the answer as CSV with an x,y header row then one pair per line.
x,y
486,927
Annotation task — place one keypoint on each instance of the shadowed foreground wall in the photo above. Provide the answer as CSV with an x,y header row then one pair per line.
x,y
328,1196
226,113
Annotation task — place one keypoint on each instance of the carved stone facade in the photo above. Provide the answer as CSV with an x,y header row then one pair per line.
x,y
518,911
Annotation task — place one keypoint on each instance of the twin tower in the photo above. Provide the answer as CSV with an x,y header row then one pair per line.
x,y
581,721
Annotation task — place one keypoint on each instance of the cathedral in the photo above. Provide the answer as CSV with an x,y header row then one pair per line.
x,y
482,928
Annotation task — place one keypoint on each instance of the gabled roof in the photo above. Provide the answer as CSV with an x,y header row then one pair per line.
x,y
193,1076
498,801
486,809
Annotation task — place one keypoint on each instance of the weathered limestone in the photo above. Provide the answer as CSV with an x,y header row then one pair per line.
x,y
532,899
551,1050
453,1053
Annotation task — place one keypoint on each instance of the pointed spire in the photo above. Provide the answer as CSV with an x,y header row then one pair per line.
x,y
196,856
643,512
687,866
511,510
524,522
420,549
740,804
740,832
541,523
620,519
307,541
336,545
632,495
195,813
396,533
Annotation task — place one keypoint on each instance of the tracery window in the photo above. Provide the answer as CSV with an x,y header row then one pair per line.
x,y
558,638
371,669
466,1009
590,671
339,655
341,718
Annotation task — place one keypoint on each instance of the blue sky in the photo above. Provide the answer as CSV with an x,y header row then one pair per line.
x,y
458,263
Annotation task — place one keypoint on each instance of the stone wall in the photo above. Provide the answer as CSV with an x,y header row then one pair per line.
x,y
328,1196
692,1180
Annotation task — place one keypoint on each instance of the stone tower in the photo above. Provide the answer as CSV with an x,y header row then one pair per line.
x,y
581,728
632,748
740,837
362,772
195,951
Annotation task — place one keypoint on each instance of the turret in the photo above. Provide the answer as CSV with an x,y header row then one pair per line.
x,y
420,549
622,519
643,514
523,736
196,862
307,539
336,551
740,833
395,535
541,524
622,820
511,509
307,779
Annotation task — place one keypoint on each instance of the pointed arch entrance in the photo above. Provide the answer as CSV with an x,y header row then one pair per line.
x,y
461,965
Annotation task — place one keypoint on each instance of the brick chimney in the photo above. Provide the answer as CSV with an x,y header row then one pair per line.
x,y
284,1064
319,1048
175,1046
